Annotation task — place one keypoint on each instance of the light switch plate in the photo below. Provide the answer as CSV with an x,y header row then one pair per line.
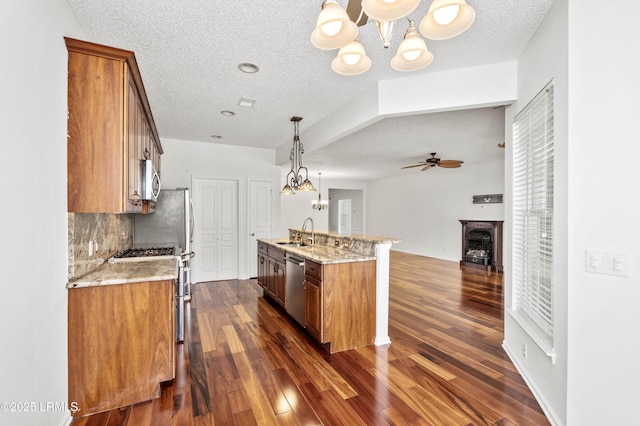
x,y
608,263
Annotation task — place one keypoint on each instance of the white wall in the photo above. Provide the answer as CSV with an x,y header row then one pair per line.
x,y
295,209
423,208
182,160
545,58
33,210
603,187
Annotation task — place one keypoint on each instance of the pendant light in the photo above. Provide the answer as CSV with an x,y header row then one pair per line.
x,y
446,19
333,29
412,53
295,180
319,204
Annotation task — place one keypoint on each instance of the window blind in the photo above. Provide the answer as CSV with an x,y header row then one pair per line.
x,y
533,162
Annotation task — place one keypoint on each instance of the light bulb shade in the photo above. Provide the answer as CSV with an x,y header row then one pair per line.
x,y
306,186
382,10
287,190
431,29
330,19
342,63
412,53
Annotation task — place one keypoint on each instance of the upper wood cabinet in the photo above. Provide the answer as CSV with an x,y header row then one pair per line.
x,y
110,130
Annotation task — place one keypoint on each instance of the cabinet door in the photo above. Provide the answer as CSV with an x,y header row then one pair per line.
x,y
279,282
262,270
133,177
313,307
271,276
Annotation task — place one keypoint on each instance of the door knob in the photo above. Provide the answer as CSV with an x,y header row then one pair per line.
x,y
253,234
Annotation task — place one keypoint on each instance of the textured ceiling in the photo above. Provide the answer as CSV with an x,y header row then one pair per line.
x,y
188,52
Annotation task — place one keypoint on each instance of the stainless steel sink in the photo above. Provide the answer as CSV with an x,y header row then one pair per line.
x,y
291,244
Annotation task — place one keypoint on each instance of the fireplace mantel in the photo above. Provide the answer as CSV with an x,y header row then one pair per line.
x,y
494,228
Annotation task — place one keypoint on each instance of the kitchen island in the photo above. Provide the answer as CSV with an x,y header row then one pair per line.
x,y
345,285
121,337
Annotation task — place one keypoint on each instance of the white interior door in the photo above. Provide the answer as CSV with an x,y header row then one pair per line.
x,y
216,230
260,193
344,217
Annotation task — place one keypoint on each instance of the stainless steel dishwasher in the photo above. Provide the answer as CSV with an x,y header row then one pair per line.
x,y
294,292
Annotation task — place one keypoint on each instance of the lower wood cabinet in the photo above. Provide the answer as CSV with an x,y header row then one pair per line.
x,y
121,344
340,303
271,272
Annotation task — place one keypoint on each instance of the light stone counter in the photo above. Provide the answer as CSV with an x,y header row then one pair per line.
x,y
128,272
318,253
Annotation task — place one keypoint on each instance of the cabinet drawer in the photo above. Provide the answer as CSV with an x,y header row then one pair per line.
x,y
276,254
262,248
313,269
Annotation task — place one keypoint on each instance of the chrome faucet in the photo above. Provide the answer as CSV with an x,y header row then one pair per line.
x,y
313,233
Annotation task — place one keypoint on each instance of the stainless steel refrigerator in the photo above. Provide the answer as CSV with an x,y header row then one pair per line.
x,y
171,226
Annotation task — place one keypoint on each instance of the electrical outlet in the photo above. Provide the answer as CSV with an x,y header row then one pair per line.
x,y
524,350
90,248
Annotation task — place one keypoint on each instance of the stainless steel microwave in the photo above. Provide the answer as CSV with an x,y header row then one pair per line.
x,y
150,181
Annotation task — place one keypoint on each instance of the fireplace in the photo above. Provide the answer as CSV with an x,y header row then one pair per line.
x,y
482,244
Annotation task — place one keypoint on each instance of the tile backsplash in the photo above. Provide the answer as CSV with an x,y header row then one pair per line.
x,y
110,232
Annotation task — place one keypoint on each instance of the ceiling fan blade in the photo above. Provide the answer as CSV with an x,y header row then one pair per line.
x,y
415,165
430,166
354,8
450,164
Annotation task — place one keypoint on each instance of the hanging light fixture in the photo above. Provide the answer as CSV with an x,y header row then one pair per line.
x,y
351,60
445,19
295,180
333,29
319,204
412,53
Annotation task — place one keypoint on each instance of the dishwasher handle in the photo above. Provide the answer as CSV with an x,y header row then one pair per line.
x,y
297,261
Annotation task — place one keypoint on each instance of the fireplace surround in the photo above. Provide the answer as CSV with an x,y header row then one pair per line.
x,y
482,244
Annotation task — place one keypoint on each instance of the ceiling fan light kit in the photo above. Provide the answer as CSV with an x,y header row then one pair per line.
x,y
445,19
351,60
333,29
412,53
295,179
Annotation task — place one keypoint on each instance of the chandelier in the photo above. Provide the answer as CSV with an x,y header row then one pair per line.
x,y
336,30
295,179
319,204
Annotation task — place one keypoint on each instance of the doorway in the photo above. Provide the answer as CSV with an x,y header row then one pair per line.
x,y
355,213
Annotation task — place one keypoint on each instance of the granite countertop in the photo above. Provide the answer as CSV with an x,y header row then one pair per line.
x,y
319,254
128,272
355,237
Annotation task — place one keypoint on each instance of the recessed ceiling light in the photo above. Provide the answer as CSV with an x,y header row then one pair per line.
x,y
216,136
227,113
249,68
246,102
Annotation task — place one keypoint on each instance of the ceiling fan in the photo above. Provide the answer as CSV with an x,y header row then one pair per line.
x,y
434,161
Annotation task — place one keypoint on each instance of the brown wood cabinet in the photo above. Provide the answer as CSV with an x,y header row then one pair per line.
x,y
110,130
271,272
340,303
121,344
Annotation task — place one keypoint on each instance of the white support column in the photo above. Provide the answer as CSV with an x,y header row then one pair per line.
x,y
382,294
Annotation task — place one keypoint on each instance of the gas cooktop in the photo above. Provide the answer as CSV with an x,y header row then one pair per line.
x,y
146,253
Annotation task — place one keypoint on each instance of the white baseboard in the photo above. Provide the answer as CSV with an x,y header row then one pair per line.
x,y
548,411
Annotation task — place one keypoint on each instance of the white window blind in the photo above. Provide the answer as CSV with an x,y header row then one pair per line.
x,y
533,155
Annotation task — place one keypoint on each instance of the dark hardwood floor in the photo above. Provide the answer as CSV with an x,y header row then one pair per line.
x,y
245,362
